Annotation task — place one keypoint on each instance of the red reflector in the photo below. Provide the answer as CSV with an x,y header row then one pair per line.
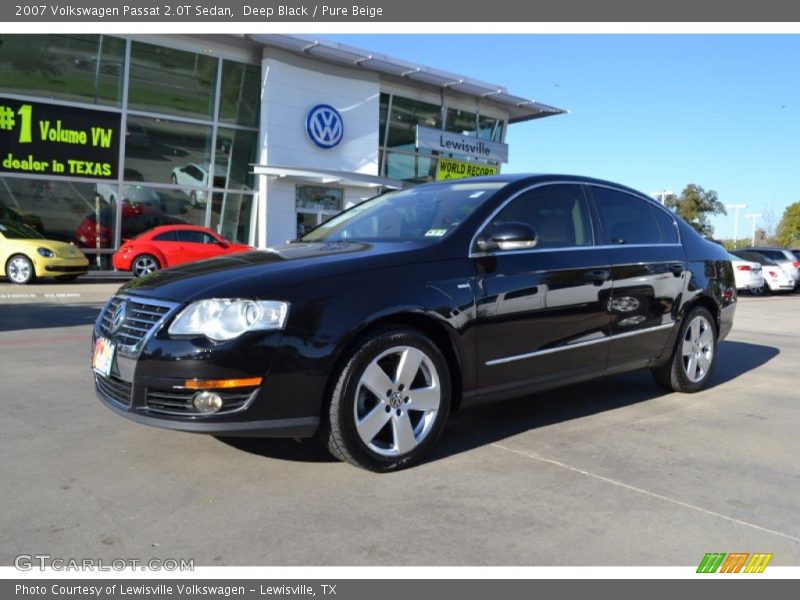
x,y
743,268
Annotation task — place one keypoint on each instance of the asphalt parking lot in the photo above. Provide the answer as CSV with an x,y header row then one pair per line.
x,y
614,472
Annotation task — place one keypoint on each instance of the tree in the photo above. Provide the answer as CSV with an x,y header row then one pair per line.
x,y
695,206
788,232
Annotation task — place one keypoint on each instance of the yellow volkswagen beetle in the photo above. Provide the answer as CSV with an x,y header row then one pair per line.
x,y
25,254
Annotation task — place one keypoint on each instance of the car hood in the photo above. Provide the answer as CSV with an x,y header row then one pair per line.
x,y
257,274
60,249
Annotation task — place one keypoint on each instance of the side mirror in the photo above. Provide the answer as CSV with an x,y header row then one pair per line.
x,y
508,236
223,244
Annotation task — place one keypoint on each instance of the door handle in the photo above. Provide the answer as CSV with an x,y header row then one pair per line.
x,y
676,269
598,276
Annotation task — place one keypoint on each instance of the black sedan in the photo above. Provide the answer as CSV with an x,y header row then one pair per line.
x,y
370,329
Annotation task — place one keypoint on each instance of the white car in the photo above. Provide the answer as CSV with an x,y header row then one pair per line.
x,y
196,175
775,278
131,192
749,276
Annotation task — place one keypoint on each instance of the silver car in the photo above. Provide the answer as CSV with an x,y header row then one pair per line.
x,y
785,259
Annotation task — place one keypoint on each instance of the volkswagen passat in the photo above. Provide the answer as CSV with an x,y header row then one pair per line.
x,y
373,327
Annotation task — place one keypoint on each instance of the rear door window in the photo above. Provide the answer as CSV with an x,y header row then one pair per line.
x,y
627,219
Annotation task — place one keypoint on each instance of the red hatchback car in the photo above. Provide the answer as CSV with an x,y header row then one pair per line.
x,y
171,245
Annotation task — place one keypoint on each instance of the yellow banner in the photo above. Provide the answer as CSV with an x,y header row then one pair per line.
x,y
456,169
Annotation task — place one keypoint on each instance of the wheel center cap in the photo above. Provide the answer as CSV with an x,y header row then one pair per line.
x,y
396,400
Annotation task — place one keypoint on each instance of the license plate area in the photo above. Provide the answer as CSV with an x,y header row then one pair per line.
x,y
103,356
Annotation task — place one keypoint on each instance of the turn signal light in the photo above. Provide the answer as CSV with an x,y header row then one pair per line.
x,y
210,384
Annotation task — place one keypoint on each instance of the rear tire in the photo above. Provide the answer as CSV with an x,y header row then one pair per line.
x,y
144,265
694,356
20,270
390,401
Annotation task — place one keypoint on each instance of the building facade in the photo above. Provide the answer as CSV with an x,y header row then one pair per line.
x,y
258,137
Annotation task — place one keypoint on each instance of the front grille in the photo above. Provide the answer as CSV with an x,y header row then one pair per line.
x,y
179,402
141,318
113,388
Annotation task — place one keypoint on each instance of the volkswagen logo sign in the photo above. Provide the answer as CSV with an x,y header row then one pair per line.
x,y
118,317
324,126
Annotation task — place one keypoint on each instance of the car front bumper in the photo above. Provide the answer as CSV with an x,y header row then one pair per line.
x,y
154,379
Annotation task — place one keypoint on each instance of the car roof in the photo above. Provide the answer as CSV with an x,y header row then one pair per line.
x,y
179,227
532,178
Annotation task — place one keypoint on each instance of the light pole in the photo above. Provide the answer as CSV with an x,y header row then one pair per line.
x,y
736,208
754,217
662,195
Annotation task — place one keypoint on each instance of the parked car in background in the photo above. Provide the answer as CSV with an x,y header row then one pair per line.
x,y
775,278
131,192
197,175
136,219
9,213
748,274
171,245
366,330
26,254
783,257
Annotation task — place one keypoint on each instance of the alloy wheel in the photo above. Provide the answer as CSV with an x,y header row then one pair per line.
x,y
397,399
144,265
697,350
19,269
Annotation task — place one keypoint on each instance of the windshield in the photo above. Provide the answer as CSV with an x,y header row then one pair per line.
x,y
19,231
413,215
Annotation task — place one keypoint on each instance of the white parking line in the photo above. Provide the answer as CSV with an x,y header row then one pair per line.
x,y
645,492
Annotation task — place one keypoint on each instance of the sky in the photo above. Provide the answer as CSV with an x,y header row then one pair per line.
x,y
655,112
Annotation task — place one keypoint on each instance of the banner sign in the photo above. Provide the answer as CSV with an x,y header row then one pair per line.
x,y
456,169
409,11
454,143
48,139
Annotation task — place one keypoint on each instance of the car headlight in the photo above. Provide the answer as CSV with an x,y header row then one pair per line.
x,y
46,252
222,319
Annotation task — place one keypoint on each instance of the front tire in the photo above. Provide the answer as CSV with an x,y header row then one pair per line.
x,y
144,265
20,270
390,401
694,356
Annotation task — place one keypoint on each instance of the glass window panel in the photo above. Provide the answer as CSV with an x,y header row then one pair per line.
x,y
236,151
240,94
171,81
67,67
461,121
171,152
410,167
488,128
58,209
318,197
230,216
626,219
558,214
406,115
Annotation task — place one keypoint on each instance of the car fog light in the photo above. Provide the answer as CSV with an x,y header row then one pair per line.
x,y
207,402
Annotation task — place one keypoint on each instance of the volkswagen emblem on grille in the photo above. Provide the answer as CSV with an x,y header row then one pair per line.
x,y
118,317
324,126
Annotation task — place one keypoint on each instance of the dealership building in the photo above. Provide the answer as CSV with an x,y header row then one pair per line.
x,y
259,137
